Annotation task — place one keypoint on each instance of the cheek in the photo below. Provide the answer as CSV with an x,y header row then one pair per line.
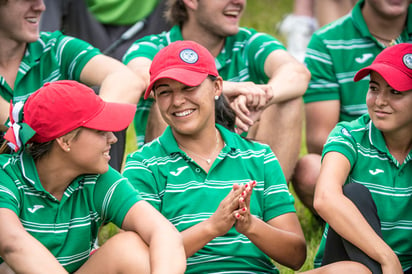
x,y
370,100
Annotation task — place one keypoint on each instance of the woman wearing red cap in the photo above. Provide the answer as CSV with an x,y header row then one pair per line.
x,y
225,194
57,190
364,190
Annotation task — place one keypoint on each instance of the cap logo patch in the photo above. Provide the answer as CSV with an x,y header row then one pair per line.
x,y
190,56
407,60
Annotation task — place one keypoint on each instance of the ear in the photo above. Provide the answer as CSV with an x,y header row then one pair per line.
x,y
63,143
191,4
218,86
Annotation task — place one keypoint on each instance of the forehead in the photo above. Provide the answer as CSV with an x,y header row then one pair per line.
x,y
167,82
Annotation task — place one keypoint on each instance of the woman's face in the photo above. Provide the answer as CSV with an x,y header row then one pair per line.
x,y
187,109
389,109
89,151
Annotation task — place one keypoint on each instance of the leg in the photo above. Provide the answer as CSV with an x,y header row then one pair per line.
x,y
362,198
125,252
304,178
298,28
340,268
280,126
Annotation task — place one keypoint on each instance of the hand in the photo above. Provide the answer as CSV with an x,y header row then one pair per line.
x,y
242,215
257,96
224,218
245,116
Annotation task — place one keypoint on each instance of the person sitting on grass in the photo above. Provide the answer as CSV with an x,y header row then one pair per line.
x,y
57,189
226,195
364,188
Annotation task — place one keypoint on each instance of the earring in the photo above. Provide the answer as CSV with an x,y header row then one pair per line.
x,y
68,149
216,97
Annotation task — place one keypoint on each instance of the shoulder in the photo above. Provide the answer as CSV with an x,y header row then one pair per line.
x,y
249,35
355,130
241,144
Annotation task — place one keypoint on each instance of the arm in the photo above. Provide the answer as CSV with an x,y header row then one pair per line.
x,y
288,78
140,66
321,118
197,236
281,238
22,252
117,82
167,254
345,218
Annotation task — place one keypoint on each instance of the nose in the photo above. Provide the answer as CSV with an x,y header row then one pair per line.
x,y
178,98
381,99
111,138
39,5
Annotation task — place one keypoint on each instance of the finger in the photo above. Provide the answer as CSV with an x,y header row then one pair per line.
x,y
241,127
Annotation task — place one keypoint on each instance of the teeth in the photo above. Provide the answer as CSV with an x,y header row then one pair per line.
x,y
232,13
183,113
32,20
106,154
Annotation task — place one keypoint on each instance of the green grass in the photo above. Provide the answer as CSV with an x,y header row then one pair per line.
x,y
262,15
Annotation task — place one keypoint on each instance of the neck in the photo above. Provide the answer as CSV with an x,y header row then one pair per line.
x,y
210,41
385,29
399,145
205,148
54,174
11,55
11,52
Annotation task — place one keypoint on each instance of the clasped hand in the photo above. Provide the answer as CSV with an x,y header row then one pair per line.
x,y
234,210
248,100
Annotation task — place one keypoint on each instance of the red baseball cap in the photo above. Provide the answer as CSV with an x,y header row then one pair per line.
x,y
62,106
394,64
183,61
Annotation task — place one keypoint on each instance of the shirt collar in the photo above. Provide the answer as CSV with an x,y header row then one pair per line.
x,y
29,172
168,141
377,140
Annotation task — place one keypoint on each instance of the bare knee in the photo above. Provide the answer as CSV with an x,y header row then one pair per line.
x,y
125,252
304,178
307,172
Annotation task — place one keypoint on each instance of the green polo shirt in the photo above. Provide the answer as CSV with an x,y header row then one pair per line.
x,y
242,59
335,53
389,181
52,57
68,228
186,195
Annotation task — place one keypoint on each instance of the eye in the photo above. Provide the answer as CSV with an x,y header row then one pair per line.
x,y
162,92
373,87
395,92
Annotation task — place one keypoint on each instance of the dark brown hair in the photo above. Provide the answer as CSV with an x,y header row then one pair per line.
x,y
176,12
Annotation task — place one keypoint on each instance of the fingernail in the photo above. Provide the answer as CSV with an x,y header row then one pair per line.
x,y
237,215
244,209
241,200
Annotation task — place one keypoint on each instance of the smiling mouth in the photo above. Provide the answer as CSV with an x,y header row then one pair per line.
x,y
33,20
232,13
183,113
